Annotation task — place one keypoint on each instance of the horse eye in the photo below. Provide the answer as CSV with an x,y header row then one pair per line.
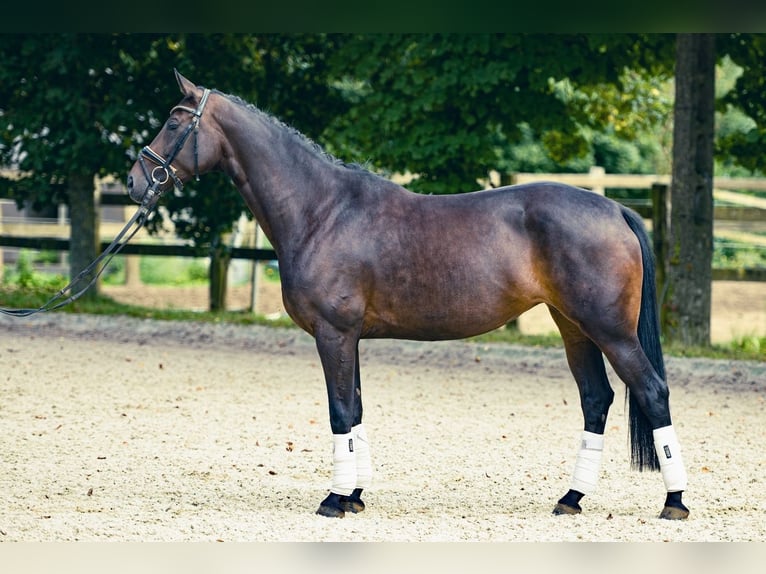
x,y
172,124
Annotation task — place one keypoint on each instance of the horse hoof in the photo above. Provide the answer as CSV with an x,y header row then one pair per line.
x,y
566,509
353,505
674,513
332,506
330,511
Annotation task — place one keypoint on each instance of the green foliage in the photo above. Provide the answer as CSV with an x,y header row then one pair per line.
x,y
743,139
271,272
284,74
741,349
86,103
78,105
114,273
751,344
24,276
447,106
66,108
173,271
70,108
14,297
731,255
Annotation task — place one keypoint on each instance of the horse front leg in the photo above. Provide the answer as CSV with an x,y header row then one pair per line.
x,y
352,467
353,502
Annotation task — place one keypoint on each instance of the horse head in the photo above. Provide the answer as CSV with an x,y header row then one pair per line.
x,y
171,160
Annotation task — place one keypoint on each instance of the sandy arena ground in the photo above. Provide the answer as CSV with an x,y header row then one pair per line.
x,y
124,429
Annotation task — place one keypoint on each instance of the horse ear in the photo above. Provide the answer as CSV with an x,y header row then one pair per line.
x,y
187,87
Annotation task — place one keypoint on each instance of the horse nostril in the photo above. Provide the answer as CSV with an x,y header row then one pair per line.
x,y
130,183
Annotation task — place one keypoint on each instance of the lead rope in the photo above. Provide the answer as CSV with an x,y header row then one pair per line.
x,y
138,220
152,196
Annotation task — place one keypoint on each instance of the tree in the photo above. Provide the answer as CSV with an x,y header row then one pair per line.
x,y
286,75
440,106
627,128
691,222
66,101
204,213
746,147
73,106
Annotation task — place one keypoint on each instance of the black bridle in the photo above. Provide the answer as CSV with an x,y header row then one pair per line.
x,y
163,166
149,201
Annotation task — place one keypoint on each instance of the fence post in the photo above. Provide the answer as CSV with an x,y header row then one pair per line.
x,y
596,172
661,244
2,256
256,278
132,270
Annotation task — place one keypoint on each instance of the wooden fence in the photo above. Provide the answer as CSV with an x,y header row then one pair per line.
x,y
739,217
53,234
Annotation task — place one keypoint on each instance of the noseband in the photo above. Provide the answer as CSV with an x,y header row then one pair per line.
x,y
164,169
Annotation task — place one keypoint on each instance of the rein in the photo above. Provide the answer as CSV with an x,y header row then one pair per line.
x,y
138,220
158,177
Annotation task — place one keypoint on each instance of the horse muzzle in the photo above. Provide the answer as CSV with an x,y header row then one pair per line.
x,y
133,191
157,174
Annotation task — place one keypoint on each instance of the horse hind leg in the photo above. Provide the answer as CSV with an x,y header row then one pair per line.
x,y
650,416
587,365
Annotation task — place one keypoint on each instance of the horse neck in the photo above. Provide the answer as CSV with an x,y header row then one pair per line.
x,y
284,183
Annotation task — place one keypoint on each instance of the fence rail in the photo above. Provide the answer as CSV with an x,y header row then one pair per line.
x,y
739,217
153,249
749,212
597,180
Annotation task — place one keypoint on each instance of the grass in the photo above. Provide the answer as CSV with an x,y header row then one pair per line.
x,y
748,348
729,254
160,270
32,298
751,347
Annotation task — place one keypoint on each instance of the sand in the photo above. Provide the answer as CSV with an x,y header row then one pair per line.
x,y
124,429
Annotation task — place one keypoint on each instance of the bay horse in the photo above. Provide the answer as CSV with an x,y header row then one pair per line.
x,y
362,257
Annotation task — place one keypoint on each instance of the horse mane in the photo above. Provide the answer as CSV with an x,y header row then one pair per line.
x,y
298,136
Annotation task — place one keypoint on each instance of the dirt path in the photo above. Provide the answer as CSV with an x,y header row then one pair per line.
x,y
128,430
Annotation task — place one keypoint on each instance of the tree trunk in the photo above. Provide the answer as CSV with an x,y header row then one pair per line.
x,y
691,218
84,231
660,243
219,271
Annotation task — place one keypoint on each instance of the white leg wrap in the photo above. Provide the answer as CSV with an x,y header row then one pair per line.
x,y
588,463
669,453
343,464
363,462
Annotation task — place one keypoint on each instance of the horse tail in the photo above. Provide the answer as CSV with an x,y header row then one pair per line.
x,y
643,455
